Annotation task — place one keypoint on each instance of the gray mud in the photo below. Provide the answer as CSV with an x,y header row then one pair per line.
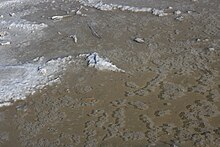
x,y
169,94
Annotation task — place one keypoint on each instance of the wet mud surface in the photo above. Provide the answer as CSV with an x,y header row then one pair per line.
x,y
169,94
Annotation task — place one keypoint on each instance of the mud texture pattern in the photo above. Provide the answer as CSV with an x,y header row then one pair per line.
x,y
167,95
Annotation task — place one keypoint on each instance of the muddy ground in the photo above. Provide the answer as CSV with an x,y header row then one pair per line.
x,y
168,96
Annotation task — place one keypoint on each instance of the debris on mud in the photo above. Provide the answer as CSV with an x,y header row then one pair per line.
x,y
59,17
139,40
75,39
79,12
3,43
177,12
94,33
3,33
211,49
180,18
94,60
162,112
159,13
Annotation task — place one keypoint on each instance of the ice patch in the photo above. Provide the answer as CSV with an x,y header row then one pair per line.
x,y
94,60
18,81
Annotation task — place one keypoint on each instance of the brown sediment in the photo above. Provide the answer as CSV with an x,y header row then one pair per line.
x,y
169,94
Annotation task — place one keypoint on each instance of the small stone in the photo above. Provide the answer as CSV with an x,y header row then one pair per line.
x,y
167,104
180,18
38,59
78,12
3,43
158,12
139,40
11,14
162,112
177,12
177,32
2,34
74,38
198,40
59,17
42,71
211,49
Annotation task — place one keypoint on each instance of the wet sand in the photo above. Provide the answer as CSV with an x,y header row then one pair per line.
x,y
168,96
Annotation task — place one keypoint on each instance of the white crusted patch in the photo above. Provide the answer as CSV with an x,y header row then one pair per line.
x,y
108,7
94,60
18,81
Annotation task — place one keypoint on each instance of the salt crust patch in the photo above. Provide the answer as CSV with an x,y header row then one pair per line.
x,y
28,26
23,25
108,7
7,3
18,81
94,60
16,2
